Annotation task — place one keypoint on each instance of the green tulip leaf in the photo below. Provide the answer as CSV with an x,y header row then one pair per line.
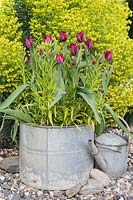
x,y
106,79
90,99
14,130
18,114
78,58
100,126
82,64
58,95
117,120
59,80
13,96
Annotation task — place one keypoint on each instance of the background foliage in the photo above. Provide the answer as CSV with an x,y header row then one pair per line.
x,y
130,3
11,56
24,14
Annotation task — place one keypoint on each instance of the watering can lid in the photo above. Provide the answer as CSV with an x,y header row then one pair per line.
x,y
110,139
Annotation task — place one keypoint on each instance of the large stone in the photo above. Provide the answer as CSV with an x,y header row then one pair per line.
x,y
92,187
84,178
1,158
10,164
100,176
74,190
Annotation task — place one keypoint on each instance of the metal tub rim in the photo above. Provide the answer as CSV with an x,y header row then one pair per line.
x,y
56,127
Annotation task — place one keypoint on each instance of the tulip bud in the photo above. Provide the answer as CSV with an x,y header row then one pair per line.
x,y
63,36
47,38
108,55
89,44
27,59
100,89
81,37
59,58
74,49
94,62
29,42
73,62
41,51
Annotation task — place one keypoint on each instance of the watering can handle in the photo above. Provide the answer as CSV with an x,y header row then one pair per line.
x,y
126,124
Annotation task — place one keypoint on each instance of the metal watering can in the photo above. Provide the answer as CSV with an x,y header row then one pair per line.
x,y
110,152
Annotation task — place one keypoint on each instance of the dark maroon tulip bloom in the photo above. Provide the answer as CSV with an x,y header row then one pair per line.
x,y
29,42
74,49
89,44
81,37
59,58
73,62
47,38
27,59
94,62
41,51
108,55
63,36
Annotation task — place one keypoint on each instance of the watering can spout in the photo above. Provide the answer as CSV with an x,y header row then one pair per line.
x,y
97,156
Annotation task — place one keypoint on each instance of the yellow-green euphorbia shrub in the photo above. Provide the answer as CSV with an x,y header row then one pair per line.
x,y
105,22
11,54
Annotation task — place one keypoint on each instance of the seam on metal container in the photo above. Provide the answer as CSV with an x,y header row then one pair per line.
x,y
112,145
50,152
109,149
47,178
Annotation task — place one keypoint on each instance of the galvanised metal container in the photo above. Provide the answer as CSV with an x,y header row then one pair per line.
x,y
113,150
54,158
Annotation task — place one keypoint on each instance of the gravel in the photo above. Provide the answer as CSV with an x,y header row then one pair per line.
x,y
11,187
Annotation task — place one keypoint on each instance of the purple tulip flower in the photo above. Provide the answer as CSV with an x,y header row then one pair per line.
x,y
74,49
89,44
81,37
108,55
29,42
59,58
47,38
63,36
